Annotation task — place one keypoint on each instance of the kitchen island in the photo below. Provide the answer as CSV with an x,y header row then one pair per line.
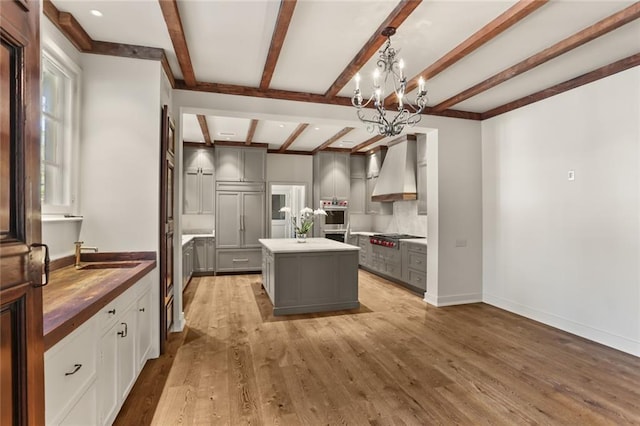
x,y
316,276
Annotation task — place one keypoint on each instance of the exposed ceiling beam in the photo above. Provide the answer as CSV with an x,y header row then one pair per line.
x,y
510,17
578,39
397,17
602,72
293,136
76,34
251,132
202,120
233,89
366,143
332,139
69,26
277,40
178,39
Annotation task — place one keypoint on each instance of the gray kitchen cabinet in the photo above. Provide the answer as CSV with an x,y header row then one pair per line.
x,y
198,181
365,251
240,223
414,265
352,239
204,255
240,164
373,163
187,263
421,146
358,185
331,176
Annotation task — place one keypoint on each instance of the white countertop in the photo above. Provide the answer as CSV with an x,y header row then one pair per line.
x,y
188,237
290,245
422,241
365,233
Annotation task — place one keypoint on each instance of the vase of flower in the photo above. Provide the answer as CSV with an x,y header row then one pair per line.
x,y
303,224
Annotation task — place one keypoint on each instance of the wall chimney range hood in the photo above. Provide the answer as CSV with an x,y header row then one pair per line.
x,y
397,178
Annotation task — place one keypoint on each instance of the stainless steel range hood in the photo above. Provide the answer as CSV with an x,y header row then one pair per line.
x,y
397,178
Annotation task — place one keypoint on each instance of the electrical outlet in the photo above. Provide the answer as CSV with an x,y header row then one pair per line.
x,y
461,243
571,175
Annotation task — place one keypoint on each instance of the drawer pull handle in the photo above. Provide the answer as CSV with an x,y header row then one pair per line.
x,y
76,367
240,260
112,311
124,332
141,309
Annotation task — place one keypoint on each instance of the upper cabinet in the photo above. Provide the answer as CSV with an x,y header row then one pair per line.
x,y
198,181
358,185
240,164
332,175
421,171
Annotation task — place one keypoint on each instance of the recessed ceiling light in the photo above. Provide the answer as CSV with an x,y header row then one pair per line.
x,y
228,138
226,134
316,128
282,125
96,12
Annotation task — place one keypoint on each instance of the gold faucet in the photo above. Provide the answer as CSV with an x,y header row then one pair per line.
x,y
79,249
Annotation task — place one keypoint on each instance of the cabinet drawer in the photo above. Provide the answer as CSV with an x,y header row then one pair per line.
x,y
418,279
111,311
69,366
418,248
417,261
239,260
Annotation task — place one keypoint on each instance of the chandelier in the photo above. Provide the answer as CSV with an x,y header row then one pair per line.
x,y
390,71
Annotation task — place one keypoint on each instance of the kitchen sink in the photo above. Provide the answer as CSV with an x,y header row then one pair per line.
x,y
109,265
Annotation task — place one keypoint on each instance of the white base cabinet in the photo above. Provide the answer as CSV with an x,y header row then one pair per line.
x,y
90,372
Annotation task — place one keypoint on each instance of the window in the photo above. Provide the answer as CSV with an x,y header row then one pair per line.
x,y
59,133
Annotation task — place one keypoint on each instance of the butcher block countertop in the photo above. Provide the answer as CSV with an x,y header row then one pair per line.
x,y
73,296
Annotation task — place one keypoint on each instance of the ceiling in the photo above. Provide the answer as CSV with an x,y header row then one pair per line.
x,y
480,58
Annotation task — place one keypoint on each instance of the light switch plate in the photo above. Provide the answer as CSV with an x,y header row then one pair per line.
x,y
571,175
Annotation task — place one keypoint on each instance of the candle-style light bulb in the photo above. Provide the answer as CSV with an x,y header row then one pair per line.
x,y
357,78
401,66
376,75
378,91
421,85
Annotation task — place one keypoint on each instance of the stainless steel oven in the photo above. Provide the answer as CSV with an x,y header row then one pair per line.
x,y
337,215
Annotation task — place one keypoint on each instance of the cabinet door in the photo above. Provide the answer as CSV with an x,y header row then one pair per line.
x,y
207,191
228,220
252,218
190,158
84,412
341,176
200,255
107,377
356,166
325,175
191,204
228,164
254,165
127,363
358,194
143,328
211,255
422,188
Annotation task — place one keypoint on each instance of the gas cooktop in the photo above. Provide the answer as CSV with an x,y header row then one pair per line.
x,y
390,240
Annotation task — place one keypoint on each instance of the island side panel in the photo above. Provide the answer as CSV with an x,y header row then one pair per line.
x,y
315,282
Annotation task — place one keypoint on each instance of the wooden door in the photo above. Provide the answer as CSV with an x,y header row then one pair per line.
x,y
167,175
21,341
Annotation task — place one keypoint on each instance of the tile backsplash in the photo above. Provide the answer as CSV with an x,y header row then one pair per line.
x,y
405,220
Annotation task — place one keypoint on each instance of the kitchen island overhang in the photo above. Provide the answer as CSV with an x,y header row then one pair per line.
x,y
317,276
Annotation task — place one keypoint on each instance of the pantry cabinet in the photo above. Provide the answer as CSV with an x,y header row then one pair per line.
x,y
236,164
199,180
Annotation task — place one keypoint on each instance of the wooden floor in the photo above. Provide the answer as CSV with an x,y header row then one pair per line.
x,y
395,360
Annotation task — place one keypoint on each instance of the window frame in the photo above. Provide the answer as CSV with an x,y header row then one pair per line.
x,y
53,56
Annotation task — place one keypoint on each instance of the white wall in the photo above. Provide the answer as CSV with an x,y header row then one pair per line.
x,y
567,253
119,187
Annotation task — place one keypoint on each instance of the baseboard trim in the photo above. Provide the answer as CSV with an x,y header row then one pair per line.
x,y
611,340
454,299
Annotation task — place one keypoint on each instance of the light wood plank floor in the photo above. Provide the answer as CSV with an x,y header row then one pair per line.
x,y
395,360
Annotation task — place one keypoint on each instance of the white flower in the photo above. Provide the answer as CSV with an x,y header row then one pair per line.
x,y
317,212
285,210
306,211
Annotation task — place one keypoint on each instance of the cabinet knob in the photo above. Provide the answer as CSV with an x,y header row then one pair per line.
x,y
112,311
141,309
